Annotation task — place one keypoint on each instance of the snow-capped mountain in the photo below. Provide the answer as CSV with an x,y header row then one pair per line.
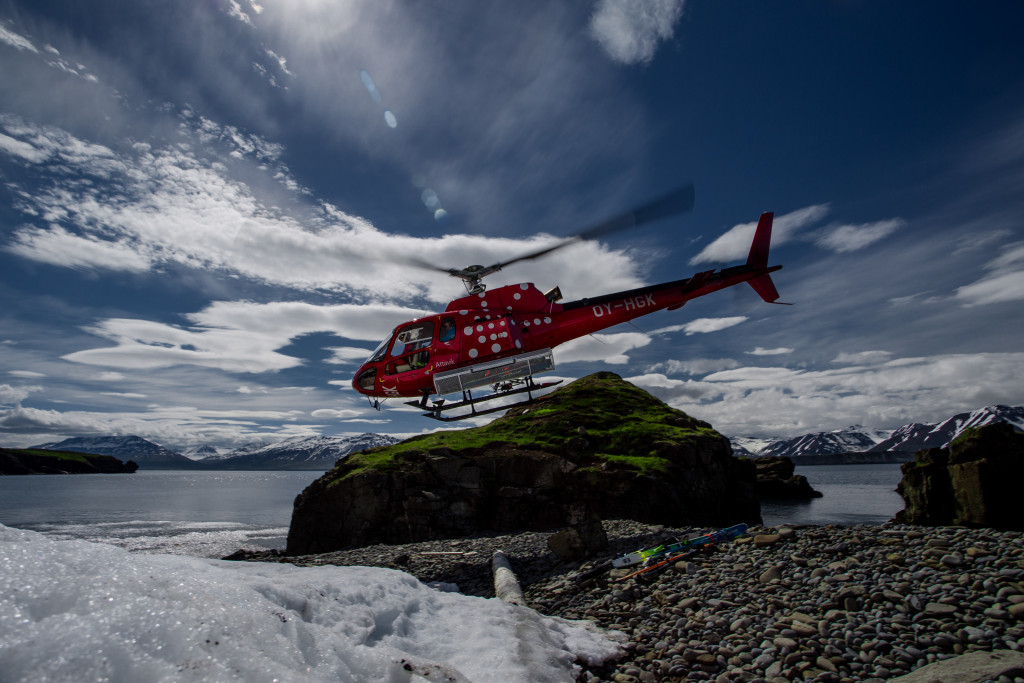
x,y
853,438
306,453
908,438
146,454
746,446
916,436
203,452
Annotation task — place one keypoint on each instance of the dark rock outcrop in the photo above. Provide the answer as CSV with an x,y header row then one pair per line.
x,y
776,479
974,482
21,461
599,447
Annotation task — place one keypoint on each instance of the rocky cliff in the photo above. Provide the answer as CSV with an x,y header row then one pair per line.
x,y
974,482
599,447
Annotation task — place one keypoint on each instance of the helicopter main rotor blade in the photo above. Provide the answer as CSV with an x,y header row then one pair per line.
x,y
679,200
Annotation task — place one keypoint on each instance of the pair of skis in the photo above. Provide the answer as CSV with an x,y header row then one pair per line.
x,y
660,555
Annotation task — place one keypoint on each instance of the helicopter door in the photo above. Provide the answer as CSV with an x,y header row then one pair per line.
x,y
446,349
411,352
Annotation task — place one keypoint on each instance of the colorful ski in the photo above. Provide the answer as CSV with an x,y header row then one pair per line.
x,y
655,553
660,551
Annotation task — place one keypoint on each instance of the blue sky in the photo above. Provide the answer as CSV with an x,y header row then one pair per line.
x,y
205,206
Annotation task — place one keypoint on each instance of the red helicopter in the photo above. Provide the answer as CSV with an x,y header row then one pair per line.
x,y
501,338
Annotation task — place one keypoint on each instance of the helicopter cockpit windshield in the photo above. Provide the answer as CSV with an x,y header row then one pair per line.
x,y
378,353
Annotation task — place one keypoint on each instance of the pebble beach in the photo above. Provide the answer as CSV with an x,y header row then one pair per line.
x,y
781,604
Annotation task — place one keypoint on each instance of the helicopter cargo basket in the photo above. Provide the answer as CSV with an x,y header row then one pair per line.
x,y
494,372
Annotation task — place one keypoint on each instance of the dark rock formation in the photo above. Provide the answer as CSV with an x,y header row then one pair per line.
x,y
599,447
975,482
776,479
20,461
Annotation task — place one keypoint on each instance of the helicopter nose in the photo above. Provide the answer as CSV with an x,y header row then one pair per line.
x,y
365,380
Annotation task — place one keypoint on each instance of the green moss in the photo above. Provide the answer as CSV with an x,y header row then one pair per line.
x,y
60,455
966,436
645,466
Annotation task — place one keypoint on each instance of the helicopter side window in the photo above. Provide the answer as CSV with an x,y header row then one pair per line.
x,y
413,338
447,332
414,361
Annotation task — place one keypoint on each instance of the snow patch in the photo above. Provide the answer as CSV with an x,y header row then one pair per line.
x,y
73,610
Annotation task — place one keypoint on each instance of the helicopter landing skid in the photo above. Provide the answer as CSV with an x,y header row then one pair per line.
x,y
435,412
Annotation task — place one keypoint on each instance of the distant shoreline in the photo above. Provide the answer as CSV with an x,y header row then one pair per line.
x,y
855,458
17,461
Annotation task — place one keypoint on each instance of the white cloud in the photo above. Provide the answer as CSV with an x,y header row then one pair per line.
x,y
20,148
779,401
705,325
235,11
16,40
690,389
11,394
345,355
694,366
1005,281
162,424
844,238
630,30
168,205
329,413
734,244
781,351
59,247
26,374
862,358
609,348
235,336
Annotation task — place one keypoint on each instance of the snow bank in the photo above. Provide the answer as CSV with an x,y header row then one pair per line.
x,y
74,610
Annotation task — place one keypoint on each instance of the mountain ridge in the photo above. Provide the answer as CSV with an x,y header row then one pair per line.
x,y
910,438
300,453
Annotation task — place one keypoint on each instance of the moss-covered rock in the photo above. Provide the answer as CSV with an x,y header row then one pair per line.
x,y
599,447
974,482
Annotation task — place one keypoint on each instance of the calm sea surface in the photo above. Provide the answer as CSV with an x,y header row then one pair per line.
x,y
212,514
205,514
853,494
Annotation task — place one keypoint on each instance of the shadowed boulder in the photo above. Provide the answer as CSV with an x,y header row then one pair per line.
x,y
975,482
776,479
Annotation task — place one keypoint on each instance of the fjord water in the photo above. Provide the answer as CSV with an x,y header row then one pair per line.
x,y
852,494
203,514
212,514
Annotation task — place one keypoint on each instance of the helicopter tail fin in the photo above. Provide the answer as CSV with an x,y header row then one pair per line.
x,y
758,258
